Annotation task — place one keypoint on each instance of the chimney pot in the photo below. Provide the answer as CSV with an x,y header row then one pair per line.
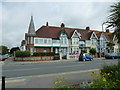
x,y
46,23
87,28
107,30
62,25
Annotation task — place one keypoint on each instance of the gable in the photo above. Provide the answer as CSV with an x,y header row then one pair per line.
x,y
76,35
63,33
93,36
102,37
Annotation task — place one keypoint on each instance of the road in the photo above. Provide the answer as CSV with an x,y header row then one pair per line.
x,y
49,68
43,75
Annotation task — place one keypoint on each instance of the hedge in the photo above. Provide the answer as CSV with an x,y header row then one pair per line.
x,y
22,53
43,54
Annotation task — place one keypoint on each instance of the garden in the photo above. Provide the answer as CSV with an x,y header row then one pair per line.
x,y
37,56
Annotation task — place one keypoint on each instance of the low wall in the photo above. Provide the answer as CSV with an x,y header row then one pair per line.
x,y
34,58
73,56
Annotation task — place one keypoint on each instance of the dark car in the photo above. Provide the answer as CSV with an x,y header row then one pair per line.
x,y
112,56
85,57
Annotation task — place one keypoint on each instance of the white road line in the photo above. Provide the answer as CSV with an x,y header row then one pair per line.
x,y
14,81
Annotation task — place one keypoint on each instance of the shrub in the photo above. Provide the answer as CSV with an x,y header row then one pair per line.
x,y
93,51
61,83
109,77
43,54
36,54
84,51
22,53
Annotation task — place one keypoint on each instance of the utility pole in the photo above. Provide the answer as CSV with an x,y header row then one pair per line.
x,y
101,40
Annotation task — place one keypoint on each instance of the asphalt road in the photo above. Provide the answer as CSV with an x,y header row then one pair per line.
x,y
10,71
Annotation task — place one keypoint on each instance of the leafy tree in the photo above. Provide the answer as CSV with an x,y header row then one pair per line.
x,y
93,51
84,51
4,50
114,20
14,49
110,45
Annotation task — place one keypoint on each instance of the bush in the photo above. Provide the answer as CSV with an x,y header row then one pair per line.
x,y
36,54
84,51
22,53
109,77
43,54
93,51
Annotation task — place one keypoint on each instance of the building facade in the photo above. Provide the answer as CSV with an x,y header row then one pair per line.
x,y
64,41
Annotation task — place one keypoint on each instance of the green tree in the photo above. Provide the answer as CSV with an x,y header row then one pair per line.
x,y
84,51
114,20
110,45
93,51
4,50
14,49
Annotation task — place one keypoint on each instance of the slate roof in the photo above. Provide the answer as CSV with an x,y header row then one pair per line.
x,y
53,32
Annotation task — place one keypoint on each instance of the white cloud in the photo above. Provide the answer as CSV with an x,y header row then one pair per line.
x,y
16,16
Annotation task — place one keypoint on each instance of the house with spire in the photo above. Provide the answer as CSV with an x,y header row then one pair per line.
x,y
63,40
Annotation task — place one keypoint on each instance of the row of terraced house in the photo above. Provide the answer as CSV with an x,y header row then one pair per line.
x,y
65,41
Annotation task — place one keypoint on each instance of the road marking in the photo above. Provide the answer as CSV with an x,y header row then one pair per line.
x,y
14,81
20,79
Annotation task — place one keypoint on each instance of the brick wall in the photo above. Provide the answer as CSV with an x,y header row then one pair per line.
x,y
40,49
29,46
34,58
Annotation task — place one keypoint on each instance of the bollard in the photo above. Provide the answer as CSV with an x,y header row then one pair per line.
x,y
3,83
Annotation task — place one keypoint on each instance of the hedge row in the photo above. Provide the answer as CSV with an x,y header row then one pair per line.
x,y
27,54
22,53
43,54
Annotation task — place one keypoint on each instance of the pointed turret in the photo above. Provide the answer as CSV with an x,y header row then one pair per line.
x,y
29,37
31,30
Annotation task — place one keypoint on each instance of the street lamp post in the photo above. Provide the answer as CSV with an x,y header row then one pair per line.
x,y
101,40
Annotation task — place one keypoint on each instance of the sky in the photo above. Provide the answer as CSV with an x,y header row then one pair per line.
x,y
15,17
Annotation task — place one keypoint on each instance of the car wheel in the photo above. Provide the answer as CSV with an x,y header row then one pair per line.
x,y
90,59
84,60
113,57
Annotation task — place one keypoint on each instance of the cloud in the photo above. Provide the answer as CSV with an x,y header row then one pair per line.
x,y
16,17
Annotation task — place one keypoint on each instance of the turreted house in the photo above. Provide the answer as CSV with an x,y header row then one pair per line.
x,y
63,40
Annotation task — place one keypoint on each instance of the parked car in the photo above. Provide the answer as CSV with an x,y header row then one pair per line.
x,y
85,57
112,56
2,58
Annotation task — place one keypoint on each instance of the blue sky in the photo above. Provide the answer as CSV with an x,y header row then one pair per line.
x,y
16,17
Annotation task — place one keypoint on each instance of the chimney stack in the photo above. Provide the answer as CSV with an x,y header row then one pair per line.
x,y
87,28
107,30
46,23
62,25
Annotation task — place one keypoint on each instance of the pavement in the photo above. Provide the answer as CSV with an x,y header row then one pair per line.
x,y
11,61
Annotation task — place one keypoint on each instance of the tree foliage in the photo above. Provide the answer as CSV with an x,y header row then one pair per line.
x,y
93,51
110,44
84,51
4,50
114,20
14,49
